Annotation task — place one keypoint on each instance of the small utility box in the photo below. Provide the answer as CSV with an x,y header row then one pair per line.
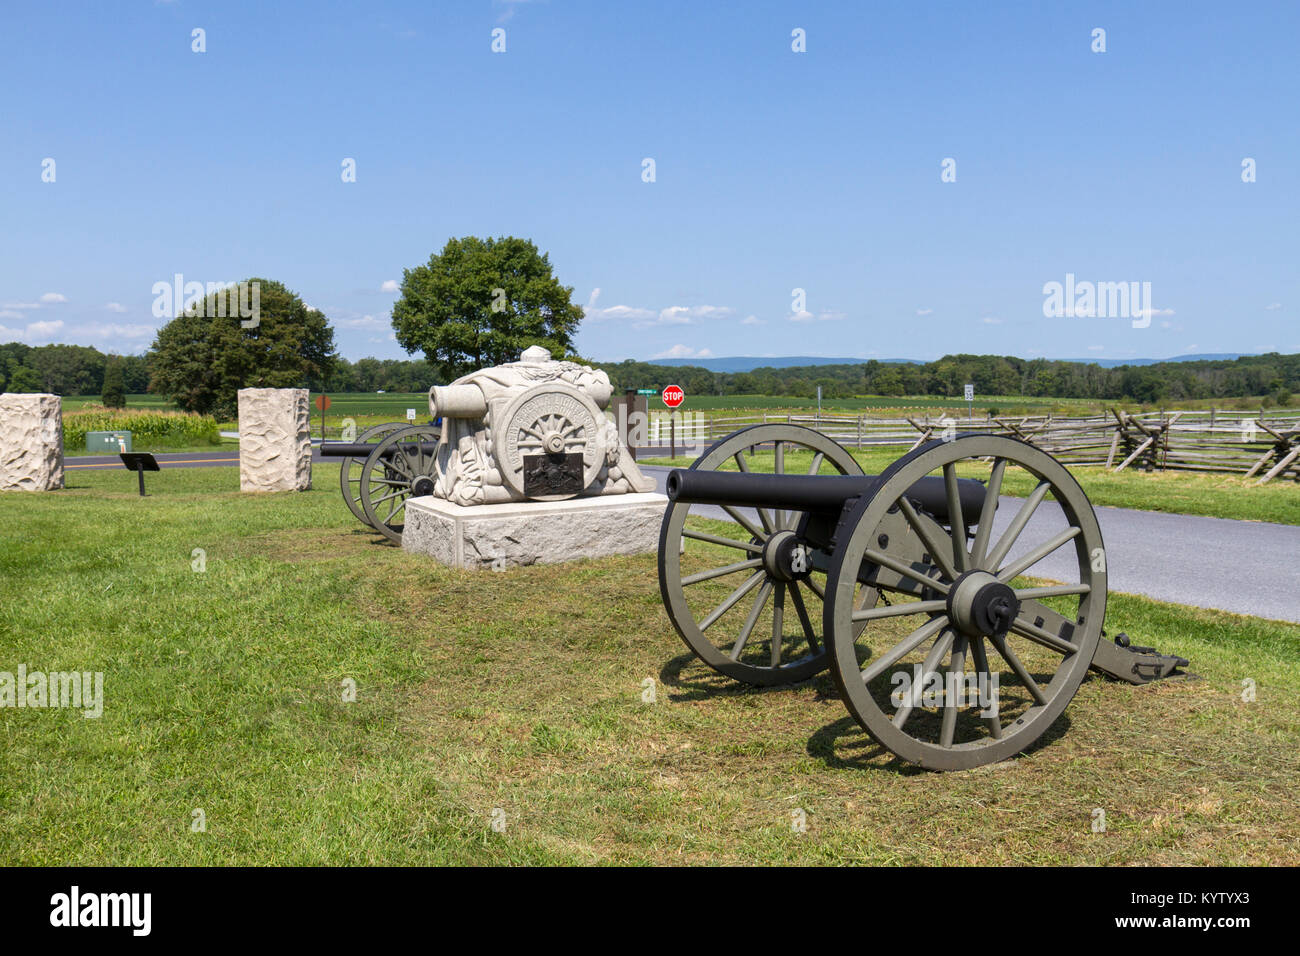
x,y
107,443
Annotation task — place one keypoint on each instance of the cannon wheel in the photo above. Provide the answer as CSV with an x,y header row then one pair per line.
x,y
397,469
350,469
957,606
722,639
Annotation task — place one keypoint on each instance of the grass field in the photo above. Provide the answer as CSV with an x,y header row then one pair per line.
x,y
522,692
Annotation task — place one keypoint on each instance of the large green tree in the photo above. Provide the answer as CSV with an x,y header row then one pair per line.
x,y
481,302
114,383
205,355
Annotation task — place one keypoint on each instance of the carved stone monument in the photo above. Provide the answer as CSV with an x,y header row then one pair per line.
x,y
530,470
274,439
31,442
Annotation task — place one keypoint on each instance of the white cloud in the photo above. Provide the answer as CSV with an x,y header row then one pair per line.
x,y
991,320
683,351
621,312
390,285
1273,306
752,320
113,330
924,311
826,315
43,330
51,298
117,307
1096,348
643,318
11,314
365,322
1150,312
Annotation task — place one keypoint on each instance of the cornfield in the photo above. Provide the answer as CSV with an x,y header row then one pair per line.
x,y
167,428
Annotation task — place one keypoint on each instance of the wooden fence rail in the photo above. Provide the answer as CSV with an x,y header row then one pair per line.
x,y
1237,442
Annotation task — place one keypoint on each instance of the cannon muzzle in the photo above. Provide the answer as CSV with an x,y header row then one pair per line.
x,y
820,494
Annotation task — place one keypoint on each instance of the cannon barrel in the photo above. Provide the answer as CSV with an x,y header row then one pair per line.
x,y
824,494
361,449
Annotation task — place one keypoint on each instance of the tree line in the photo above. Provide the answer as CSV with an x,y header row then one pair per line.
x,y
1272,375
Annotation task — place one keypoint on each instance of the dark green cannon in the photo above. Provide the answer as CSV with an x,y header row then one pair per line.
x,y
383,467
779,558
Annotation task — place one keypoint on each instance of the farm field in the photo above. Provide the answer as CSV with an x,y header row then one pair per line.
x,y
522,693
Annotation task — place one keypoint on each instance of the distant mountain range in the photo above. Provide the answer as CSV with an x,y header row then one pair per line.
x,y
747,363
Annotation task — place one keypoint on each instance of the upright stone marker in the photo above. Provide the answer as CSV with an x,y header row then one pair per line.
x,y
31,442
274,439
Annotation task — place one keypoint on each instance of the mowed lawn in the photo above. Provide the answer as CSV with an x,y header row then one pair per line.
x,y
522,693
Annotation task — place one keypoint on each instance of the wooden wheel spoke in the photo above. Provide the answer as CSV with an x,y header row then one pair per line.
x,y
951,690
1022,674
1033,632
778,624
817,463
941,647
925,531
744,522
980,658
956,519
979,550
1054,590
724,542
763,516
797,599
721,572
732,600
904,647
1027,561
1018,524
900,610
759,600
884,560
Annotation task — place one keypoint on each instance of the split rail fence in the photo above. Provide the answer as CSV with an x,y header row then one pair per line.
x,y
1252,444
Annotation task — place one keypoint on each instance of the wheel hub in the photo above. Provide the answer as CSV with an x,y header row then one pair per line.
x,y
422,485
785,557
981,605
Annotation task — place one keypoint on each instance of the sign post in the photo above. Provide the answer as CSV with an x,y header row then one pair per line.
x,y
322,402
970,398
673,396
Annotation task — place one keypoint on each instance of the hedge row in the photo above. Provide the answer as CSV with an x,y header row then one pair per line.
x,y
167,428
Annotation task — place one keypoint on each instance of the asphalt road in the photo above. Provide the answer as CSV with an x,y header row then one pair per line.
x,y
1248,567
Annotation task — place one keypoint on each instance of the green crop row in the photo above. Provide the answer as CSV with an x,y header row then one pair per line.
x,y
171,428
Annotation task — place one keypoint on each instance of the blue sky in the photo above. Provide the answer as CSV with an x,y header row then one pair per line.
x,y
774,170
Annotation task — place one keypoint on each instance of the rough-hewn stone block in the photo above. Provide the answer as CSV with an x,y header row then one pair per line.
x,y
274,439
31,442
507,535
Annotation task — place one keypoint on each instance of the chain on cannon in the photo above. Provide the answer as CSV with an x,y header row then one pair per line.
x,y
779,558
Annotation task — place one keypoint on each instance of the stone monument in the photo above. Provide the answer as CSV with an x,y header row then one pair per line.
x,y
529,470
31,442
274,439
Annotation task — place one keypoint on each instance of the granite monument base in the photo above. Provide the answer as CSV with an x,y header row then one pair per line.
x,y
513,534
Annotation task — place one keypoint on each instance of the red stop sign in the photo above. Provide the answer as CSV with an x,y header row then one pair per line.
x,y
323,402
673,396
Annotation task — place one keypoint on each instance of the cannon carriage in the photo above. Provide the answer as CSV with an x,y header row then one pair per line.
x,y
779,558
